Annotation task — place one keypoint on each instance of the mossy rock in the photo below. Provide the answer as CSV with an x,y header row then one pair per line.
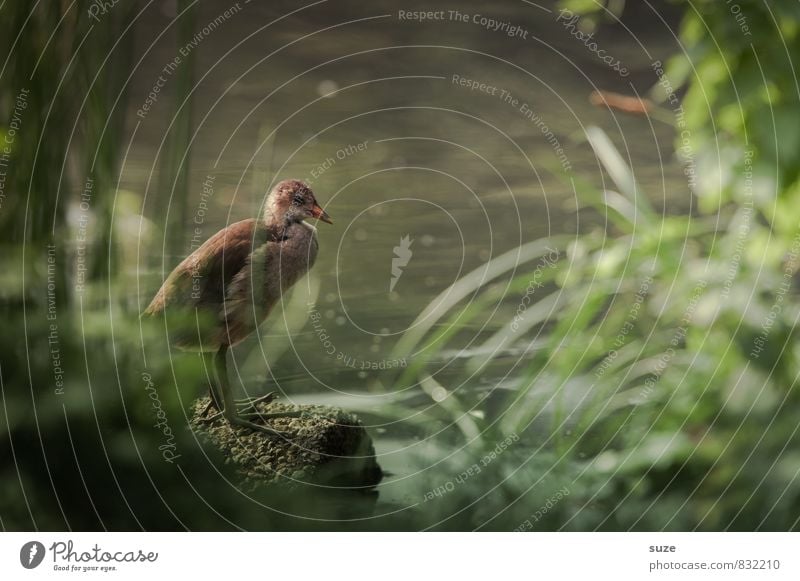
x,y
323,445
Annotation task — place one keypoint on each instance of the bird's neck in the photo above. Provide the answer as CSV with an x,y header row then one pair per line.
x,y
279,222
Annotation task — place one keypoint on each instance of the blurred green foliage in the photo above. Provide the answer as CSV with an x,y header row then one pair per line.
x,y
640,385
663,366
93,429
743,94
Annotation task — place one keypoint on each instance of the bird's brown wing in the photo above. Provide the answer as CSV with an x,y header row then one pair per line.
x,y
200,283
201,278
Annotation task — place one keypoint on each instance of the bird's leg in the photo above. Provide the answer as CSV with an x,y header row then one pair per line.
x,y
209,405
229,404
248,408
214,399
248,404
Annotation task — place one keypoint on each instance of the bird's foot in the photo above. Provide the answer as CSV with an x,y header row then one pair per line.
x,y
244,406
273,415
241,421
250,403
248,408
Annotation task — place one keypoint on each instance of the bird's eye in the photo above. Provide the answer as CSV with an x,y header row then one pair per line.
x,y
298,200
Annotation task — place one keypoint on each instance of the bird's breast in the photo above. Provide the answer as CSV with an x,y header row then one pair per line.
x,y
297,254
281,263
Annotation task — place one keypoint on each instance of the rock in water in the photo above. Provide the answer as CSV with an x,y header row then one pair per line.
x,y
324,445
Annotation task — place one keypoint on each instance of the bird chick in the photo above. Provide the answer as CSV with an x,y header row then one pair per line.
x,y
228,286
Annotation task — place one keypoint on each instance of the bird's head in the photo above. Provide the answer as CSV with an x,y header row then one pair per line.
x,y
293,201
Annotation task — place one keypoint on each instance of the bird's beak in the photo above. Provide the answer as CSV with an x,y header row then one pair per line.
x,y
320,214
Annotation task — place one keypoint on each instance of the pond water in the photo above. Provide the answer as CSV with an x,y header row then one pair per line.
x,y
435,146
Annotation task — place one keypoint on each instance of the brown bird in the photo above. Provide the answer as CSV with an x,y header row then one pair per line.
x,y
223,291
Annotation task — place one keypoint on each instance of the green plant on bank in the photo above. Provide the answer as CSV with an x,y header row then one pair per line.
x,y
637,369
93,426
654,372
76,417
738,69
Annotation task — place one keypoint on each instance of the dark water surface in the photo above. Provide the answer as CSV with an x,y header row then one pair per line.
x,y
377,113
